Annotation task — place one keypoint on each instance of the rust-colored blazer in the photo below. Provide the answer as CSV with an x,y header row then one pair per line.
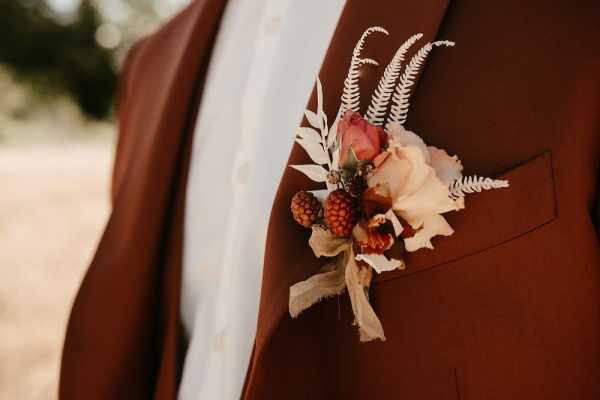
x,y
507,308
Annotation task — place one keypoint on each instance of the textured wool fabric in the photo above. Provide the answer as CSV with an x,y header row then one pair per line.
x,y
507,307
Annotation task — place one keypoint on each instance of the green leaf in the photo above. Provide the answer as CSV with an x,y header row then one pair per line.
x,y
351,161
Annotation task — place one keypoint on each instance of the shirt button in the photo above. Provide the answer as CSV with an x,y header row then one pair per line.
x,y
219,341
243,172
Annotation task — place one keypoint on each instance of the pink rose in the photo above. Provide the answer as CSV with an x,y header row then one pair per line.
x,y
365,139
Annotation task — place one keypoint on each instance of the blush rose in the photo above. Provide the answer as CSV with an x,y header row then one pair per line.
x,y
364,138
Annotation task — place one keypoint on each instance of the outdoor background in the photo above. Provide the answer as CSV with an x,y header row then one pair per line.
x,y
59,63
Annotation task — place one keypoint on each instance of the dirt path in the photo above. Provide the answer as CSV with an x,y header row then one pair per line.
x,y
53,206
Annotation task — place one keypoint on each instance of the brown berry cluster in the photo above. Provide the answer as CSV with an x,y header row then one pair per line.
x,y
341,213
306,209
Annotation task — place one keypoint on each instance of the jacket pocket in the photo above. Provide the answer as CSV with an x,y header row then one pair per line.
x,y
492,217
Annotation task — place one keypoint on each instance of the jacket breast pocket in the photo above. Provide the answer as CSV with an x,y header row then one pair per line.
x,y
492,217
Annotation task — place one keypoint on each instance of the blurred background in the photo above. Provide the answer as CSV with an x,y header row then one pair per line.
x,y
59,66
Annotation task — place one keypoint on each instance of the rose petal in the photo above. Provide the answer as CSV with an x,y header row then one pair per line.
x,y
432,226
363,144
414,185
433,197
448,169
356,133
375,200
381,157
400,136
392,174
381,263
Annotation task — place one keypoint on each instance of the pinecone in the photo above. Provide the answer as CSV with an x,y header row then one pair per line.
x,y
356,186
341,213
306,209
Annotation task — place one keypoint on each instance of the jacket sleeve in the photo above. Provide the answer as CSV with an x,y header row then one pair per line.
x,y
122,102
596,210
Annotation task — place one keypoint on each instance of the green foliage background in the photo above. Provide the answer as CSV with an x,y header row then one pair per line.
x,y
57,57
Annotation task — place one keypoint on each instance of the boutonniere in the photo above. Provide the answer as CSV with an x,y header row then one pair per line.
x,y
386,189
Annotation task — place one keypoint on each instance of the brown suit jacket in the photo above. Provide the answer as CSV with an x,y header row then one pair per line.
x,y
507,308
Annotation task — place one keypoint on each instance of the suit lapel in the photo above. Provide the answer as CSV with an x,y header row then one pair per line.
x,y
124,325
288,258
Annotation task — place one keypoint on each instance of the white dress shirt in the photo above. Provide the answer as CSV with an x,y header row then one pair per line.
x,y
263,68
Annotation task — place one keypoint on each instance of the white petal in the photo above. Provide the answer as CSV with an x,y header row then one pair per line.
x,y
391,216
381,263
432,226
432,197
401,136
313,171
324,243
315,151
448,169
392,174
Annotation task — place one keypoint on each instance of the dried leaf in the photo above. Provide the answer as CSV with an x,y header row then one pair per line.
x,y
308,134
320,112
313,119
333,131
313,171
315,151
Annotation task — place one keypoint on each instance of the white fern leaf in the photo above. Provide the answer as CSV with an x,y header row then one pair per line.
x,y
313,171
313,119
308,134
351,92
314,150
368,61
471,184
400,100
381,97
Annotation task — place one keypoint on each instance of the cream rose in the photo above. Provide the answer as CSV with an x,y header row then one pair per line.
x,y
417,178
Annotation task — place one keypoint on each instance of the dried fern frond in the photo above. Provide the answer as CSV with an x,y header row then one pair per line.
x,y
385,88
351,93
471,184
400,100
